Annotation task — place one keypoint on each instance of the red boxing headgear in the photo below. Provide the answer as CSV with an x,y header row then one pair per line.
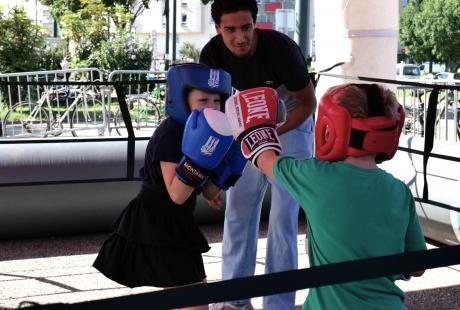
x,y
338,135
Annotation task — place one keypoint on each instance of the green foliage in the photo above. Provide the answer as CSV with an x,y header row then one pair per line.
x,y
125,12
430,29
59,7
121,53
21,43
87,28
51,57
86,24
410,32
444,30
189,52
122,13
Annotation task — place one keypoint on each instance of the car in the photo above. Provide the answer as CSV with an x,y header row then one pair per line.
x,y
408,71
448,77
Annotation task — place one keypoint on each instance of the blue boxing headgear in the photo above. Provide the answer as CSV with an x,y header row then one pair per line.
x,y
182,77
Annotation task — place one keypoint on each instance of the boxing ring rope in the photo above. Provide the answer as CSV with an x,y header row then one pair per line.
x,y
273,283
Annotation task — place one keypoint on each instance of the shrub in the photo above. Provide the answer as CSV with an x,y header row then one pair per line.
x,y
121,53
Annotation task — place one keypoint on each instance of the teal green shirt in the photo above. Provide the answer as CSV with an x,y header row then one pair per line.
x,y
353,213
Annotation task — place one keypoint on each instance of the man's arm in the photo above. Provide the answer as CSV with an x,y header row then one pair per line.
x,y
305,105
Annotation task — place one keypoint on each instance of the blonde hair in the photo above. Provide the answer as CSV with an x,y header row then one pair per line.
x,y
354,99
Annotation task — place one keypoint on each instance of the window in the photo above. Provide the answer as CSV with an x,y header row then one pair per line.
x,y
183,3
184,19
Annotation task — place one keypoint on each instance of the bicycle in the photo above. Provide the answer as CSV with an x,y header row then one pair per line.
x,y
39,118
146,110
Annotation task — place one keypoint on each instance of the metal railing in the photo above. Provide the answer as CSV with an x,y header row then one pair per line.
x,y
38,109
145,101
415,101
99,110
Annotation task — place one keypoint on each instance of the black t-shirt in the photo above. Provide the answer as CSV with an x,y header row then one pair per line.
x,y
277,61
152,217
164,145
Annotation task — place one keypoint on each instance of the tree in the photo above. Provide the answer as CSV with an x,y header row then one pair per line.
x,y
59,7
443,30
86,28
123,52
85,24
21,43
189,52
430,29
125,12
411,32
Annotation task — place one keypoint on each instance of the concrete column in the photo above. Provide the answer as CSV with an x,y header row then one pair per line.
x,y
362,33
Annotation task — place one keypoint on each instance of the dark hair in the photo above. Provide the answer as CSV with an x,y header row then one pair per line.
x,y
221,7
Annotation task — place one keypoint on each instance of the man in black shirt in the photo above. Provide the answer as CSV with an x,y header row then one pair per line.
x,y
255,58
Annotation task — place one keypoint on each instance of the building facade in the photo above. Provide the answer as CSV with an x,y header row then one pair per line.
x,y
194,22
35,11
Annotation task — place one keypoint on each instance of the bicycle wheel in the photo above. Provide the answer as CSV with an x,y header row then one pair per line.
x,y
26,119
143,114
89,115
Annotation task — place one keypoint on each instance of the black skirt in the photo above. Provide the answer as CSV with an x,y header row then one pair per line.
x,y
155,243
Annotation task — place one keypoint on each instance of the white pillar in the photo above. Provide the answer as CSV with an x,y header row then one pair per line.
x,y
362,33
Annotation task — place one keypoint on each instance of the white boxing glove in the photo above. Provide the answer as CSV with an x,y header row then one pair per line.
x,y
253,115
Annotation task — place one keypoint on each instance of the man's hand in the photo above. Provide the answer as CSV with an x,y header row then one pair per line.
x,y
305,106
215,203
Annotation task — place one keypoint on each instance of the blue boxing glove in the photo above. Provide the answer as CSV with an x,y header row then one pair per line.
x,y
207,138
230,168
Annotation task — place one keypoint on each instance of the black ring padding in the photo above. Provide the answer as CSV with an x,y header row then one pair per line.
x,y
429,135
67,140
106,83
41,183
74,140
129,127
275,283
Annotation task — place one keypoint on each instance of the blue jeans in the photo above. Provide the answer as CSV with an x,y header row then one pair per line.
x,y
242,214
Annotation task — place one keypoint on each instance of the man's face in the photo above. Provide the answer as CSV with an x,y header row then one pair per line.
x,y
238,32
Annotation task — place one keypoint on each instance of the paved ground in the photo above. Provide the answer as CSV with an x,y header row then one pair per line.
x,y
58,269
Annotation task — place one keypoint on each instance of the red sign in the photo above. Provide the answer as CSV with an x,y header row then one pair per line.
x,y
272,6
264,25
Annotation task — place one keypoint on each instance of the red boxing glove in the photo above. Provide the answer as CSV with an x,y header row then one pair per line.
x,y
253,115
